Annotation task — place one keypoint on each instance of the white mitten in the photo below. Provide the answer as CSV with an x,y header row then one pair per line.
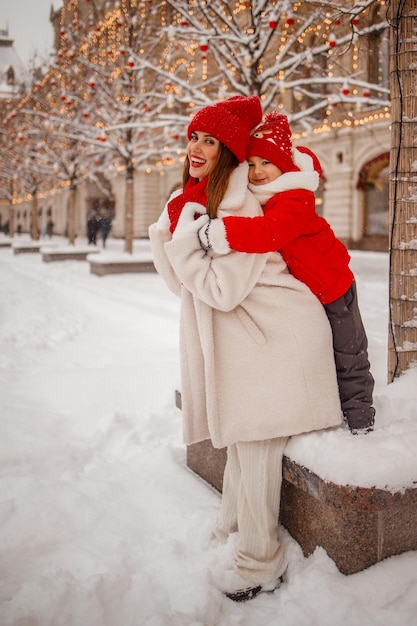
x,y
212,236
164,222
192,226
187,222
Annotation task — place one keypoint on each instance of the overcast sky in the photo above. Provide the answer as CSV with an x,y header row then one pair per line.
x,y
28,24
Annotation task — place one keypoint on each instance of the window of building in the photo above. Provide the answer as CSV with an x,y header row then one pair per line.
x,y
10,75
374,182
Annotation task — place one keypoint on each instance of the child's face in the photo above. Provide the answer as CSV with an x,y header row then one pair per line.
x,y
202,152
262,171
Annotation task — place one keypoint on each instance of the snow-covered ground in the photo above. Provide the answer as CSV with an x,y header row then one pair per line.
x,y
101,522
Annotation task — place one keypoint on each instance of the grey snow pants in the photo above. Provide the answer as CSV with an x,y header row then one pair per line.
x,y
350,344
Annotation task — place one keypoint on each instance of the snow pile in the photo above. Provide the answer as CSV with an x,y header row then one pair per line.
x,y
102,523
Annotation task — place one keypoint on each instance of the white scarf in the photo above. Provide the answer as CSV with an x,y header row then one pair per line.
x,y
307,178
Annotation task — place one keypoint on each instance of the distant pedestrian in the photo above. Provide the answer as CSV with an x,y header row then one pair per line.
x,y
104,224
92,226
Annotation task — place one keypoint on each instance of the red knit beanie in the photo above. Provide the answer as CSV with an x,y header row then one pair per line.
x,y
272,141
229,121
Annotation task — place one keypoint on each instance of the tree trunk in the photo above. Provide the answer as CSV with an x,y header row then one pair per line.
x,y
34,228
402,341
129,209
71,215
12,208
11,220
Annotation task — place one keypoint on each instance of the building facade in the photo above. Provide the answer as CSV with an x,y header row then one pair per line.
x,y
352,144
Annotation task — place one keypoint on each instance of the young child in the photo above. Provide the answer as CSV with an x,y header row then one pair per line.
x,y
284,180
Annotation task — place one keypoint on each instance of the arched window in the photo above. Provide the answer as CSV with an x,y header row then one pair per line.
x,y
374,182
10,75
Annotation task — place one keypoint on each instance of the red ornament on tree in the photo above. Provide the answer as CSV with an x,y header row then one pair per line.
x,y
273,21
331,42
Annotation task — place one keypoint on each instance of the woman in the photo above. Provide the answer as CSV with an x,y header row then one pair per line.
x,y
256,349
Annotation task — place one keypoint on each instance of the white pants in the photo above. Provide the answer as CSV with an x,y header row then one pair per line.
x,y
250,505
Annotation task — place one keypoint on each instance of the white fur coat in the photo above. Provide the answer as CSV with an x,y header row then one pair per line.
x,y
256,346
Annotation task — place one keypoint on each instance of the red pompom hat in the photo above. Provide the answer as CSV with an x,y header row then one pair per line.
x,y
272,141
230,121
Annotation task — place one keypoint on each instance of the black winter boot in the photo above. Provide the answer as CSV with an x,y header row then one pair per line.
x,y
360,421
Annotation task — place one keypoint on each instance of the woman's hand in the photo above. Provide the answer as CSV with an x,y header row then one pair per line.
x,y
193,217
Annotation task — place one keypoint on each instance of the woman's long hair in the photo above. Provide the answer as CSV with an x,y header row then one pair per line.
x,y
218,179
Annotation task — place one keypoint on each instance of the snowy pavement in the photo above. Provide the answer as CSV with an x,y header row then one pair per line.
x,y
102,523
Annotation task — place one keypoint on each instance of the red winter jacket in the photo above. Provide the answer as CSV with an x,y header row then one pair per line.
x,y
308,245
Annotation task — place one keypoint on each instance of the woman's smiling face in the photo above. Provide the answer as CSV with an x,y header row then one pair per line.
x,y
202,151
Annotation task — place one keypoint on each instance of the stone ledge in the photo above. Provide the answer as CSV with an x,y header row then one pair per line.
x,y
102,268
49,255
22,248
357,526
